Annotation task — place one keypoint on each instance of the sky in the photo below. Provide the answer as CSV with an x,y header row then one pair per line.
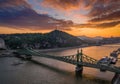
x,y
77,17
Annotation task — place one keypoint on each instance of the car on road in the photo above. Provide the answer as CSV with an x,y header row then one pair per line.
x,y
104,60
113,60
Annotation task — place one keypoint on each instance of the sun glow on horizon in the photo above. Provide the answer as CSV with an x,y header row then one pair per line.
x,y
7,30
90,32
93,32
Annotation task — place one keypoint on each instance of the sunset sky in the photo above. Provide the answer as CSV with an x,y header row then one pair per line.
x,y
77,17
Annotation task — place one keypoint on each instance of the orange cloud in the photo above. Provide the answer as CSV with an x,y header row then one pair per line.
x,y
69,4
62,4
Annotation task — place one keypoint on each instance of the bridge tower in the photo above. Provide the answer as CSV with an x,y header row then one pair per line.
x,y
79,68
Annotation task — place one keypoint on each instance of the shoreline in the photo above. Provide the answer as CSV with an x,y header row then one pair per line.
x,y
65,48
58,49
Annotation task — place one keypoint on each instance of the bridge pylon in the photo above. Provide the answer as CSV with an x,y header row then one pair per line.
x,y
79,68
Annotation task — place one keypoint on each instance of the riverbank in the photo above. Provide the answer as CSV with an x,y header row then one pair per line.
x,y
59,49
6,53
66,48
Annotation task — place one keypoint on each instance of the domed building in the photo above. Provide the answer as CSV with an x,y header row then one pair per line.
x,y
2,44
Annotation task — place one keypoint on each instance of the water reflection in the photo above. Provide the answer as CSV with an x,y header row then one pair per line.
x,y
51,68
96,52
49,71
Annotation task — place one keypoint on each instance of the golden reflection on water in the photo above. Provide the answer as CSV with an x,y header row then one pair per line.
x,y
96,52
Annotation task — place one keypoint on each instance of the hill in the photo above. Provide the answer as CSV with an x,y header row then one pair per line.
x,y
62,39
53,39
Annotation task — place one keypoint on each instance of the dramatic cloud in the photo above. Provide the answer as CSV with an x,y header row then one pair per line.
x,y
69,4
62,4
19,14
99,25
110,24
102,11
104,7
110,17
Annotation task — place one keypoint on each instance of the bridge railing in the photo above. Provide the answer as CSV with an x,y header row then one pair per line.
x,y
89,59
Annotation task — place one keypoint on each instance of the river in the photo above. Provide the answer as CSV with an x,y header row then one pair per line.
x,y
49,71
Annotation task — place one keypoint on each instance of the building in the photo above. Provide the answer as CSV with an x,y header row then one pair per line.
x,y
2,44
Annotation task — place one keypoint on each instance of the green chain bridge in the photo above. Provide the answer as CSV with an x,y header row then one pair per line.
x,y
80,60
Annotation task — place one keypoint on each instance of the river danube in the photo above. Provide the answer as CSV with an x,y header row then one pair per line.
x,y
49,71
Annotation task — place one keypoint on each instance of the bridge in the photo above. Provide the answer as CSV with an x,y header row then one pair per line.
x,y
76,59
79,59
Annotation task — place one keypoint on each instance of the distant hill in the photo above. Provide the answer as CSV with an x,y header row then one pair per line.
x,y
53,39
110,40
91,39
